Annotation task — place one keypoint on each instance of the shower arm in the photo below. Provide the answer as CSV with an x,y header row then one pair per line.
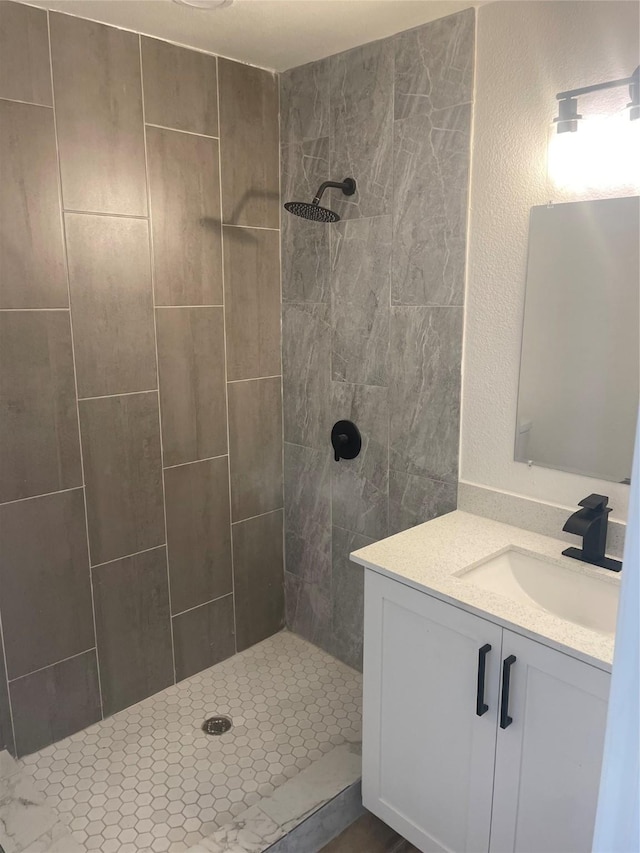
x,y
345,186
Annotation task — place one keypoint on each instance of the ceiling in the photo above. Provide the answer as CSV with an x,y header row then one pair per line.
x,y
274,34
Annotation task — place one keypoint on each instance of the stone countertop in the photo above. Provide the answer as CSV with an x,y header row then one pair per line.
x,y
428,557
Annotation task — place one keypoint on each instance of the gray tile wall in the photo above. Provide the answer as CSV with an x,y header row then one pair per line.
x,y
372,307
139,541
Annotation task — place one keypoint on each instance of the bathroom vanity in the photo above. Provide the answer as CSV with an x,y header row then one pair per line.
x,y
487,659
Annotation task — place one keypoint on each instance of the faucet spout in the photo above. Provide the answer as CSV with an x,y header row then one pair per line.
x,y
590,523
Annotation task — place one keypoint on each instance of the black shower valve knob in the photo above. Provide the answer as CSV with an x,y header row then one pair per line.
x,y
346,440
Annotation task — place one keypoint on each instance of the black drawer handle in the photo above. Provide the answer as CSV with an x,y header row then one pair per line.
x,y
481,706
505,719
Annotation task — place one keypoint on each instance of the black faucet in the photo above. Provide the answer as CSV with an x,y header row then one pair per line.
x,y
591,523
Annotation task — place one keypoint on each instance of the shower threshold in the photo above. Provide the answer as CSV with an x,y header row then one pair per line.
x,y
150,779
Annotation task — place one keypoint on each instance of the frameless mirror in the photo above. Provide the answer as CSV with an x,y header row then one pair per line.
x,y
580,360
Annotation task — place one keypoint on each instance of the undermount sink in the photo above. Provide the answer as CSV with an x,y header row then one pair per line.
x,y
528,579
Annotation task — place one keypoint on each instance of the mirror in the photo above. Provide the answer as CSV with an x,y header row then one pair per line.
x,y
580,360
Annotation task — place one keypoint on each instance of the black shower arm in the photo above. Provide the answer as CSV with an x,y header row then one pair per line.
x,y
339,185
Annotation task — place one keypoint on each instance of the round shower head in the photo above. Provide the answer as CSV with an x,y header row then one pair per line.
x,y
312,211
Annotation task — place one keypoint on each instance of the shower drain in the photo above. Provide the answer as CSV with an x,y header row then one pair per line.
x,y
216,725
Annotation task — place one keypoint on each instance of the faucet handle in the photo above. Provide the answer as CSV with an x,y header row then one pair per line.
x,y
595,502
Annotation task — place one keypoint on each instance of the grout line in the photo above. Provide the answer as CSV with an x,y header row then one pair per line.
x,y
226,378
259,515
253,379
424,477
249,227
44,495
6,680
124,394
155,338
179,130
20,310
27,103
66,210
195,461
127,556
55,663
284,499
75,369
204,604
158,307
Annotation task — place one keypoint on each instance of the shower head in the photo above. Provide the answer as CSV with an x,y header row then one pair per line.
x,y
312,210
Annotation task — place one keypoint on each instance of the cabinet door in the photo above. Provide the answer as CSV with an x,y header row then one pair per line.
x,y
428,757
548,758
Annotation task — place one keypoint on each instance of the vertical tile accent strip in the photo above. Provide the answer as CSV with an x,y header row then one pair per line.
x,y
255,451
24,54
258,573
185,205
192,388
46,589
55,702
123,472
198,532
31,247
39,446
96,79
111,304
180,87
133,628
249,145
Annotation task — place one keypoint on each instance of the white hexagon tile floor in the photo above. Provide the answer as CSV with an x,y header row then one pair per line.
x,y
149,779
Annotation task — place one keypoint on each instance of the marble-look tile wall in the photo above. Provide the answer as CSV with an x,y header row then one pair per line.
x,y
141,500
372,307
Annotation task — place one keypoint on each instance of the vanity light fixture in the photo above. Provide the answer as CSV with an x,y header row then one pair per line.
x,y
568,118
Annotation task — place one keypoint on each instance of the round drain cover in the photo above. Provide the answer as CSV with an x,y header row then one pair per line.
x,y
216,725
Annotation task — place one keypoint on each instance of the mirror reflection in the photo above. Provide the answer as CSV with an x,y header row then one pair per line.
x,y
580,361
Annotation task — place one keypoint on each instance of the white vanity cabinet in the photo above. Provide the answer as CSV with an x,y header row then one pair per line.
x,y
455,764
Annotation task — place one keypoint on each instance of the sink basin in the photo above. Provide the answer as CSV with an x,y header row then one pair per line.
x,y
526,578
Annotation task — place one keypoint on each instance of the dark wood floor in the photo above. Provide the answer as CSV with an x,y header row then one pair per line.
x,y
369,835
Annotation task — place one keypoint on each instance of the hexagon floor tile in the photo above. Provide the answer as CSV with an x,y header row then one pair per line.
x,y
149,779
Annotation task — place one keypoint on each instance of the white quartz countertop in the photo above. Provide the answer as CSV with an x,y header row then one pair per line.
x,y
427,557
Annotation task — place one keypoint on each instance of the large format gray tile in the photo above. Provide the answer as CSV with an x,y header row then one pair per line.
x,y
306,266
304,102
414,500
306,368
347,594
184,188
203,636
198,532
252,302
361,284
360,486
55,702
180,87
424,391
308,512
24,54
6,724
39,446
123,473
31,246
308,610
255,447
96,81
133,628
45,590
249,144
258,578
111,304
434,65
192,383
361,128
431,179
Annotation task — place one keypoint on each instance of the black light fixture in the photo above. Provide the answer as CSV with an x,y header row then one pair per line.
x,y
568,117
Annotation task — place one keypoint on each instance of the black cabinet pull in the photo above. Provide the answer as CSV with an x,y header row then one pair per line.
x,y
505,719
481,706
